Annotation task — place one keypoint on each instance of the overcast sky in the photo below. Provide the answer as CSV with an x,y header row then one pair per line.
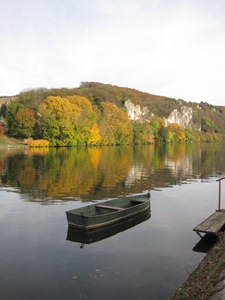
x,y
173,48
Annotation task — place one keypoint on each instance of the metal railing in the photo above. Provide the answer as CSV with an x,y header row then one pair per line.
x,y
219,203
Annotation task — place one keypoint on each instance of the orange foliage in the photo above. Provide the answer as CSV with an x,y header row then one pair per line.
x,y
38,143
26,117
177,131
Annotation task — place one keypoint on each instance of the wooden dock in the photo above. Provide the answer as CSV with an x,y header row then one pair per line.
x,y
212,224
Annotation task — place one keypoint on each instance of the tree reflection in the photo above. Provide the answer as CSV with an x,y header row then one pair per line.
x,y
102,172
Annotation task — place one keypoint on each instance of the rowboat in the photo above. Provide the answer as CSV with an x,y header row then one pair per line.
x,y
92,236
108,212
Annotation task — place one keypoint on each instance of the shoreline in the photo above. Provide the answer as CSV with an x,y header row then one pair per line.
x,y
208,280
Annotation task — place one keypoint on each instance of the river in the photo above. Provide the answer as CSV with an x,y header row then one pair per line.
x,y
148,259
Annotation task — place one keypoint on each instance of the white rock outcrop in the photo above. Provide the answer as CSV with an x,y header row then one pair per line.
x,y
182,117
135,112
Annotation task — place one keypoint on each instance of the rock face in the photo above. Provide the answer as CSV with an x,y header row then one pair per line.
x,y
135,112
182,117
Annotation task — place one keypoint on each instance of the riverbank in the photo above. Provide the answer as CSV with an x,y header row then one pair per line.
x,y
6,141
208,280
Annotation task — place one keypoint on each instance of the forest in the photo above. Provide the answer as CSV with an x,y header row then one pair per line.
x,y
94,114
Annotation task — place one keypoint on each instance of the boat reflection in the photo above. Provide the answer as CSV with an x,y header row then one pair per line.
x,y
89,237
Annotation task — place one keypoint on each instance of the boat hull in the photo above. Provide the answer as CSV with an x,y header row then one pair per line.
x,y
108,212
93,236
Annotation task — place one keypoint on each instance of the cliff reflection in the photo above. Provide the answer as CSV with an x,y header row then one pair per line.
x,y
103,172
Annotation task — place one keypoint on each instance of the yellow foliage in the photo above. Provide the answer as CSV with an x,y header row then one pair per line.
x,y
116,125
81,102
95,136
61,108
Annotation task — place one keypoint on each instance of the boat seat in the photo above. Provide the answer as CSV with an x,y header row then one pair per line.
x,y
109,207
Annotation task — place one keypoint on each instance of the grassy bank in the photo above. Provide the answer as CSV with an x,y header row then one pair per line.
x,y
201,283
6,141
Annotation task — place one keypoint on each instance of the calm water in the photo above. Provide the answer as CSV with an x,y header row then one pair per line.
x,y
39,258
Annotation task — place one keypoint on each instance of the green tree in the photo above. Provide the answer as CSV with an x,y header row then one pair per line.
x,y
142,133
156,123
12,109
208,125
191,136
3,110
165,135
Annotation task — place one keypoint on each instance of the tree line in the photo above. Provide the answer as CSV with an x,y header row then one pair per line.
x,y
75,120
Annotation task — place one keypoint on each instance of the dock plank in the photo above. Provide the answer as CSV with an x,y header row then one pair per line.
x,y
212,224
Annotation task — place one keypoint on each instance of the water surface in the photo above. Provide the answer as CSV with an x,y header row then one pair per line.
x,y
148,260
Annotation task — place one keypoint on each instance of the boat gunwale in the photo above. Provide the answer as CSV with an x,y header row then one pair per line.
x,y
109,213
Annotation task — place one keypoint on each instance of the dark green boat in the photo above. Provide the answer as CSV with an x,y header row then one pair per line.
x,y
108,212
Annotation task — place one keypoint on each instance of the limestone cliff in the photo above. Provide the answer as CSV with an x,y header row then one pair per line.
x,y
183,117
135,112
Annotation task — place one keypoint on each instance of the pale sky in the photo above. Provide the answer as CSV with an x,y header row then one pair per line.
x,y
173,48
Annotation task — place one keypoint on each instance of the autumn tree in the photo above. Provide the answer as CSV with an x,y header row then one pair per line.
x,y
69,121
24,123
85,127
177,131
115,126
58,117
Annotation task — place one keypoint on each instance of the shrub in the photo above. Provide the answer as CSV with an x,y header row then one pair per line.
x,y
37,143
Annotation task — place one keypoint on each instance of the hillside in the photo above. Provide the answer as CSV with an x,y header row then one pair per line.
x,y
159,106
10,141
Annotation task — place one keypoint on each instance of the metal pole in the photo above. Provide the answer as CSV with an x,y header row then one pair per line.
x,y
219,195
